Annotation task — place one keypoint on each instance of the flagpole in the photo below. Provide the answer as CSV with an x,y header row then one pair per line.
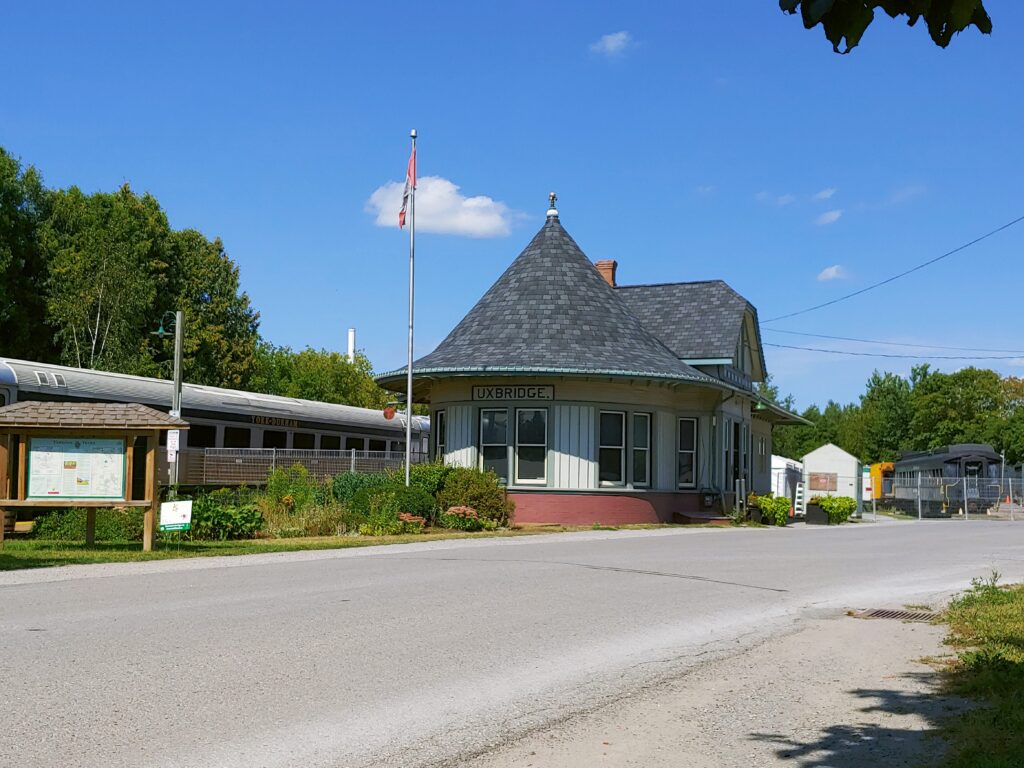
x,y
412,283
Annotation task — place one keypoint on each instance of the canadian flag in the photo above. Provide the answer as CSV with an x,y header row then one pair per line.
x,y
410,185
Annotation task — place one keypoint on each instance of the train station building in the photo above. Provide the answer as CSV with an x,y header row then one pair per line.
x,y
596,402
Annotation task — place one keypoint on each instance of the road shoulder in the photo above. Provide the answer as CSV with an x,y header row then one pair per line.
x,y
839,692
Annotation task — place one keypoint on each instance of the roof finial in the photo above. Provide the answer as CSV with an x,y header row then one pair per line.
x,y
552,199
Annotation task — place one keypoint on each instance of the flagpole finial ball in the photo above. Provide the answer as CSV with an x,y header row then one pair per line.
x,y
412,133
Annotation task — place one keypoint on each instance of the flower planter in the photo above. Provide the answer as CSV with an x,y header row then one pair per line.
x,y
815,515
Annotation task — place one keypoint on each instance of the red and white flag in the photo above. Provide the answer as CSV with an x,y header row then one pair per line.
x,y
410,185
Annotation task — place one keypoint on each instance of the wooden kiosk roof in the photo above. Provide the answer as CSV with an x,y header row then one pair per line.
x,y
35,415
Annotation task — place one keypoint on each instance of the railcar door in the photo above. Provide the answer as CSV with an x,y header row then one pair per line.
x,y
973,470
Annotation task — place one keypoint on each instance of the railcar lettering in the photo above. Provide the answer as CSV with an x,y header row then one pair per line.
x,y
519,392
275,421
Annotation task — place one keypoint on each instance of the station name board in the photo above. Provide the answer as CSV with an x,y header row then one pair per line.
x,y
275,421
518,392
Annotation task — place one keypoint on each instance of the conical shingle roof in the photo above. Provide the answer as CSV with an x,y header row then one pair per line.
x,y
552,312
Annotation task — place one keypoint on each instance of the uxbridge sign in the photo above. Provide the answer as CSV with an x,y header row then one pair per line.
x,y
522,392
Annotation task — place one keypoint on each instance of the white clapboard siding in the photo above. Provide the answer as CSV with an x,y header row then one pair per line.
x,y
665,433
572,445
461,447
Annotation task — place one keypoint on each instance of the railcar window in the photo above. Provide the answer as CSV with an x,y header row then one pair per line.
x,y
305,441
378,445
237,437
274,439
3,399
355,443
330,442
202,436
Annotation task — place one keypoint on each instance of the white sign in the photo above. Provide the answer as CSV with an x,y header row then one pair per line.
x,y
176,516
173,440
514,392
76,468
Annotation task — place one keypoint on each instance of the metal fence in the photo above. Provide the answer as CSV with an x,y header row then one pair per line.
x,y
251,466
963,497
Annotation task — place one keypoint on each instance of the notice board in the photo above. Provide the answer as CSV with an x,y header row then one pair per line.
x,y
76,468
824,481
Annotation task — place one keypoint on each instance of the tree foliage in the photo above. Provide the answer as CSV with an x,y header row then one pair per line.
x,y
313,374
926,410
848,19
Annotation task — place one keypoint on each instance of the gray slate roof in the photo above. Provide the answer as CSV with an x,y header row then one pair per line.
x,y
552,312
699,320
52,415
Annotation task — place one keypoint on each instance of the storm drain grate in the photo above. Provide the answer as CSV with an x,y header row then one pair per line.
x,y
895,614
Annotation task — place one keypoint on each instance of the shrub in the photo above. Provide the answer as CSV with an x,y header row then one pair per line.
x,y
776,509
225,514
838,508
347,486
393,509
292,487
429,476
465,519
479,490
69,525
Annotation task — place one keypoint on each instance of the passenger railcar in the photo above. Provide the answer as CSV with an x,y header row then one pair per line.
x,y
883,478
220,418
948,481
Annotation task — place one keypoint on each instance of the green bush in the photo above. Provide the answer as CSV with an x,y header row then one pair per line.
x,y
777,509
225,514
465,519
292,487
69,525
392,509
838,508
348,485
430,476
479,490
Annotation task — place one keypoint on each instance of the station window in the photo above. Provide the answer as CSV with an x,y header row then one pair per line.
x,y
378,445
440,438
237,437
611,457
330,442
531,445
687,461
274,439
641,449
494,442
202,436
304,441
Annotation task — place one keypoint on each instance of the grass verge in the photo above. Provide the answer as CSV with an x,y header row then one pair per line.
x,y
986,627
18,554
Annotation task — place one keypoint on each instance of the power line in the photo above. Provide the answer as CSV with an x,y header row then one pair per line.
x,y
884,354
888,280
894,343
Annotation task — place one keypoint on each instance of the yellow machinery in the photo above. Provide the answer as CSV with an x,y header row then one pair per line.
x,y
882,481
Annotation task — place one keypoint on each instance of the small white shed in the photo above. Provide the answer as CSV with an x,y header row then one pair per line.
x,y
831,471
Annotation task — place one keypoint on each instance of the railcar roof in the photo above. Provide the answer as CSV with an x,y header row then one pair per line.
x,y
119,387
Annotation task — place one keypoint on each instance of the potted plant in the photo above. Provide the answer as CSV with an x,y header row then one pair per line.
x,y
830,510
814,514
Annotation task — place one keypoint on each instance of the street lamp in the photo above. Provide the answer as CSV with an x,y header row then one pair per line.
x,y
178,319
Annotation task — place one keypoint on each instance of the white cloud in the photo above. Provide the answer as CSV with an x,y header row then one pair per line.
x,y
1017,361
906,194
613,44
829,217
780,200
785,199
442,209
705,189
825,194
835,272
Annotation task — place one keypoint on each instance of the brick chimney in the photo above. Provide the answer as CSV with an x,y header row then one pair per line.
x,y
607,269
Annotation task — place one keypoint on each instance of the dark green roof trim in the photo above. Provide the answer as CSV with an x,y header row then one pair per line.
x,y
398,376
775,412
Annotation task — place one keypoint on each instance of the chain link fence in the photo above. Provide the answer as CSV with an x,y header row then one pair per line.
x,y
251,466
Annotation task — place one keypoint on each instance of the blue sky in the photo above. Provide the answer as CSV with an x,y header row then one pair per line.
x,y
687,144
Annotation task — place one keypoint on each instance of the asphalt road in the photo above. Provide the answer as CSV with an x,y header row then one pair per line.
x,y
428,653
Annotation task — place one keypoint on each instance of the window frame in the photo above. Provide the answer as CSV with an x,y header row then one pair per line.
x,y
481,444
633,449
694,453
439,427
621,482
517,480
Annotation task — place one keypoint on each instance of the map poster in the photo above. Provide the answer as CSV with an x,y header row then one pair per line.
x,y
76,468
